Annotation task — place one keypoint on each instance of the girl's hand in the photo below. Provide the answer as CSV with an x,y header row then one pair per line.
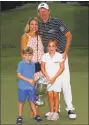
x,y
48,78
52,80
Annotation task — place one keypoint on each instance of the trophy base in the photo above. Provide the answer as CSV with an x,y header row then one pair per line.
x,y
39,101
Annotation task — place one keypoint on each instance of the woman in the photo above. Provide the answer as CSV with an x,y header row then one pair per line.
x,y
31,39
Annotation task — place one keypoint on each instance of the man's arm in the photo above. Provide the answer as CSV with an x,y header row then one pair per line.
x,y
68,43
65,31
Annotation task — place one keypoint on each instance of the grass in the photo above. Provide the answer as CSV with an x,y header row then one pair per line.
x,y
12,26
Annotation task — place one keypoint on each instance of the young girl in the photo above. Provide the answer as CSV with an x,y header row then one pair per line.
x,y
52,66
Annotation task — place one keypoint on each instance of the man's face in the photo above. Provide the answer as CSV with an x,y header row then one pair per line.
x,y
44,14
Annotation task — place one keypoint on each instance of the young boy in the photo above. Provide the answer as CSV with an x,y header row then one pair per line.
x,y
26,87
52,65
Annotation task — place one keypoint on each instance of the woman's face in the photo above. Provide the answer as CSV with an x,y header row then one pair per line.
x,y
33,26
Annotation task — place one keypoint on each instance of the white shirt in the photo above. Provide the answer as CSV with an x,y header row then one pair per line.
x,y
52,63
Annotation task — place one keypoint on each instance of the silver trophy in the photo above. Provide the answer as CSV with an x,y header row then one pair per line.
x,y
41,87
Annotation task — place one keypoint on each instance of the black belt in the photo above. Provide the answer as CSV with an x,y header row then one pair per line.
x,y
61,52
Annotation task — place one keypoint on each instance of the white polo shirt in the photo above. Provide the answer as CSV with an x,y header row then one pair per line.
x,y
52,66
52,63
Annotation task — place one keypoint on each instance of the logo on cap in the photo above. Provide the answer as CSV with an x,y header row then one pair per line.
x,y
42,4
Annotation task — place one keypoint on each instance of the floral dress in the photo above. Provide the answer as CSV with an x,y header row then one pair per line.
x,y
38,50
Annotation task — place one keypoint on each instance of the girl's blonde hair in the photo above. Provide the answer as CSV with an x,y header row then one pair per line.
x,y
27,28
53,41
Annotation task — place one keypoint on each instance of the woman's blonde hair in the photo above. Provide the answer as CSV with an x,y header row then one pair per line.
x,y
27,28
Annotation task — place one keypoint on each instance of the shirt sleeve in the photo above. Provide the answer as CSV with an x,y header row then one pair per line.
x,y
19,68
43,59
61,58
62,27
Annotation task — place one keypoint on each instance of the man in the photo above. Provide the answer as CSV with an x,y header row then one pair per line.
x,y
53,28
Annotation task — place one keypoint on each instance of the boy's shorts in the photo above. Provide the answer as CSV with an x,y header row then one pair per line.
x,y
30,94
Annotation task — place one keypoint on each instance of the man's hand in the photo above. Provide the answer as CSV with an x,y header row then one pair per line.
x,y
64,56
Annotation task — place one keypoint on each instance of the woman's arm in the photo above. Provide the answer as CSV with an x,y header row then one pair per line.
x,y
24,40
40,48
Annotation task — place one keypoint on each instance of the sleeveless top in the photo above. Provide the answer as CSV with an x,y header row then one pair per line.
x,y
33,42
36,44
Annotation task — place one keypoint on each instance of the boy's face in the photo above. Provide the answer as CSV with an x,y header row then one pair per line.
x,y
27,57
52,47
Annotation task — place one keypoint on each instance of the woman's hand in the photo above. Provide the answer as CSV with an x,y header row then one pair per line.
x,y
64,56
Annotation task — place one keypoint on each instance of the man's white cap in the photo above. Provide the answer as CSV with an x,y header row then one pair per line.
x,y
43,5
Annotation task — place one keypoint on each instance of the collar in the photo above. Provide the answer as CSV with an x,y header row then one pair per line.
x,y
26,62
49,54
47,21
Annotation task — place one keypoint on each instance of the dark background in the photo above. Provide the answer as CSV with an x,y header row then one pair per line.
x,y
7,5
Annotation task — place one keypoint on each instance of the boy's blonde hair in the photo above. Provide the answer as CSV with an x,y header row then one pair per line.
x,y
27,28
27,50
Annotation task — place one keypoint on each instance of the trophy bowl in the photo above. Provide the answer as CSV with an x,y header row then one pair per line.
x,y
41,86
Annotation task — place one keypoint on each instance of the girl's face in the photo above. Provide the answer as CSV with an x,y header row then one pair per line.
x,y
33,26
27,57
52,47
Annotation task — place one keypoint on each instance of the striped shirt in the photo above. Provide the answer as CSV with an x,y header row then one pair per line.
x,y
54,29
